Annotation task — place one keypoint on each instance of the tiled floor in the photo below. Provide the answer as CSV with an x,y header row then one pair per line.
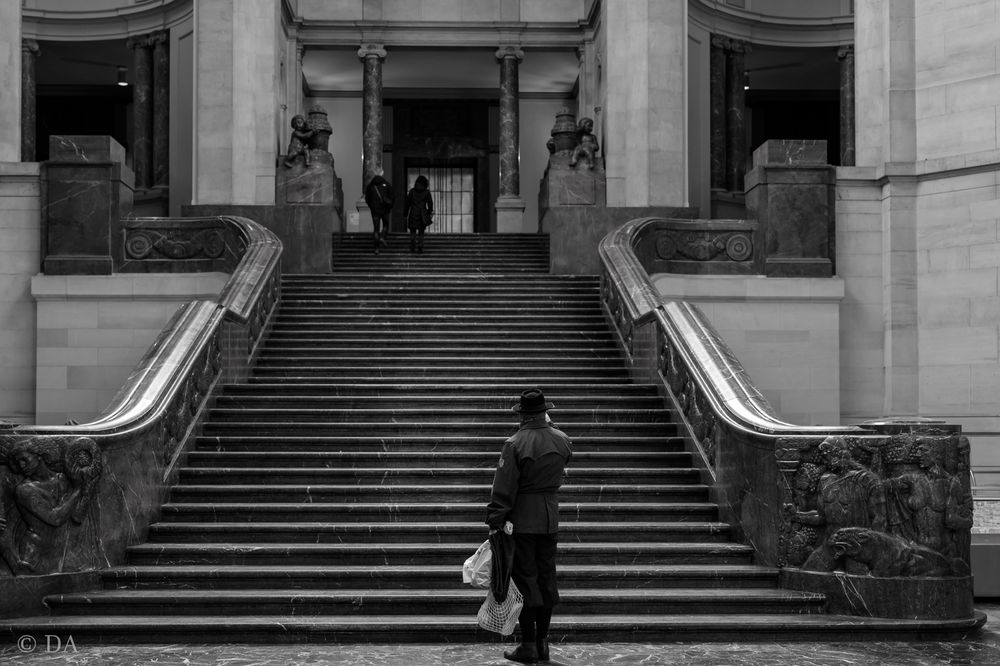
x,y
981,649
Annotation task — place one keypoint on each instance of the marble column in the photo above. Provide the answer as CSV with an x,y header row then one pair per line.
x,y
736,108
509,205
510,181
371,56
846,57
717,112
142,110
29,51
161,108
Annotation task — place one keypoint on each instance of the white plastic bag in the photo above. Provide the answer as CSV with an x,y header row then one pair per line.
x,y
501,618
478,569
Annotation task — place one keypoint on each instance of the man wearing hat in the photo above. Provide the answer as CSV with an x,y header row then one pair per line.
x,y
531,469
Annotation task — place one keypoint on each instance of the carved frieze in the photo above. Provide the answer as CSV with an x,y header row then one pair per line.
x,y
47,488
704,245
881,506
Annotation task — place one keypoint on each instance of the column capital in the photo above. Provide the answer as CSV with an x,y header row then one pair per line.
x,y
740,46
372,51
846,51
300,52
139,42
29,46
509,51
159,37
722,42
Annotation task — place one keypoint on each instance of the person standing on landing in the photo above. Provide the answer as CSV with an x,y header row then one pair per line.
x,y
532,466
378,196
418,213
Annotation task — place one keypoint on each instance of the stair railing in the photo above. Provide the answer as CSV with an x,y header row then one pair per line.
x,y
111,475
772,480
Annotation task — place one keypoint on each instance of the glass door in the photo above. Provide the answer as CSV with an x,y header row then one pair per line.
x,y
453,190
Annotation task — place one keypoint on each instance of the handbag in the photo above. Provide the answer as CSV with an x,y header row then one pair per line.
x,y
478,569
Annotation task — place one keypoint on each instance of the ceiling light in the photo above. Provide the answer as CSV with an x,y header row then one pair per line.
x,y
121,76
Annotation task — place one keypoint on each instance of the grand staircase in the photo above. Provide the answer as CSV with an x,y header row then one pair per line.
x,y
335,496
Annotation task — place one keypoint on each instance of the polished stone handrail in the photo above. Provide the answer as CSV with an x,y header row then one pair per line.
x,y
119,465
784,487
705,354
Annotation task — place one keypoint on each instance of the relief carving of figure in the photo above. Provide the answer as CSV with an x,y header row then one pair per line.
x,y
52,486
298,144
928,506
587,147
848,495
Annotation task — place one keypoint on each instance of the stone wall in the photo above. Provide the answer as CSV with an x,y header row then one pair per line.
x,y
784,331
91,331
20,257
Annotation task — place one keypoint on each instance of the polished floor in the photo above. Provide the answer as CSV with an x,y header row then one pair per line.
x,y
980,649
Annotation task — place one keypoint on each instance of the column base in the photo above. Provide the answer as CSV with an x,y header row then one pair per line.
x,y
510,214
363,220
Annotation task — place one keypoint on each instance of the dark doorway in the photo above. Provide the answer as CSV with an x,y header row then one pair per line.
x,y
446,140
795,114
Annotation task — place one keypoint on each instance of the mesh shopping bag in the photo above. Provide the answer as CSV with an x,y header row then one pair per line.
x,y
501,617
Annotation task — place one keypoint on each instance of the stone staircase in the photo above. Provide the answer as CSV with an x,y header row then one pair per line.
x,y
335,496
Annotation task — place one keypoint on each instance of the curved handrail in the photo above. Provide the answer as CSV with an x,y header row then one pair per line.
x,y
709,360
161,370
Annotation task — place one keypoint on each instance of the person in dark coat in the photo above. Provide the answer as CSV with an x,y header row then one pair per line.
x,y
418,213
379,196
531,468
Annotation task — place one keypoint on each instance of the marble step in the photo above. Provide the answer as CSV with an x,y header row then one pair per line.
x,y
606,393
469,533
555,318
403,261
432,601
395,429
378,335
257,395
460,298
424,475
450,307
437,576
350,340
530,375
421,443
394,554
568,417
403,459
457,492
468,362
409,511
452,628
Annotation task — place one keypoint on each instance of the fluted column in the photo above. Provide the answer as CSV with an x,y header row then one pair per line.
x,y
142,110
717,103
736,106
29,51
509,206
846,57
371,56
161,108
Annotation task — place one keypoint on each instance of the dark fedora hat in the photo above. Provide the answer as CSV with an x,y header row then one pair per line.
x,y
532,402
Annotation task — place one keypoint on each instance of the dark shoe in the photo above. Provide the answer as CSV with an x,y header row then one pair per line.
x,y
525,653
376,250
383,242
543,649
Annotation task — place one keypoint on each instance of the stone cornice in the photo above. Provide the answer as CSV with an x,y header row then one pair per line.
x,y
770,30
319,34
58,21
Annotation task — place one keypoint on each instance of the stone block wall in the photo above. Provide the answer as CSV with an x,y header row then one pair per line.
x,y
20,257
784,331
91,331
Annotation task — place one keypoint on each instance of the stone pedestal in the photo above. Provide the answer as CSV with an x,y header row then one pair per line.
x,y
564,185
791,191
87,191
316,184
